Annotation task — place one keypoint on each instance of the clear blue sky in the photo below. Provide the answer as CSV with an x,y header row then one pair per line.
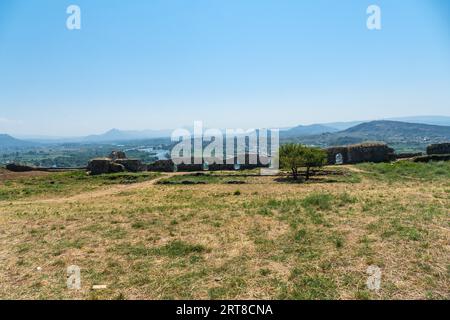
x,y
153,64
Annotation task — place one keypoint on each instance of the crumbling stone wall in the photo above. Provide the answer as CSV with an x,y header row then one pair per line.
x,y
19,167
132,165
161,166
104,165
364,152
117,162
116,155
439,148
432,157
168,166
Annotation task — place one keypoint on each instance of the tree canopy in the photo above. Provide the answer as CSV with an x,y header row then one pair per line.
x,y
295,156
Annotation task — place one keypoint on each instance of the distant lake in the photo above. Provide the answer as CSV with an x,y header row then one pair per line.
x,y
161,154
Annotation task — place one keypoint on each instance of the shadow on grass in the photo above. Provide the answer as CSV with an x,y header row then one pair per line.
x,y
327,176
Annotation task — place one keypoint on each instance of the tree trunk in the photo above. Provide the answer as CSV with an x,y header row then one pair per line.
x,y
294,173
307,173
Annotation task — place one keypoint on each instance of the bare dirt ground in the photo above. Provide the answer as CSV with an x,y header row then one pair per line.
x,y
9,175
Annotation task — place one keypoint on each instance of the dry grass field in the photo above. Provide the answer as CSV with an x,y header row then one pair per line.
x,y
221,236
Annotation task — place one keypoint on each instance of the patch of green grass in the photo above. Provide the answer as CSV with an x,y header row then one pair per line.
x,y
176,248
64,244
311,287
318,201
264,272
116,233
230,289
202,178
407,170
66,183
140,224
264,211
179,248
300,235
406,232
338,241
314,201
345,199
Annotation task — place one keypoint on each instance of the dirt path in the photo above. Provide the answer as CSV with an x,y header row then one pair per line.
x,y
103,192
354,169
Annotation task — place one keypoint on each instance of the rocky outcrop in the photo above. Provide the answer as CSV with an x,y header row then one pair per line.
x,y
161,166
117,162
132,165
117,155
439,148
104,165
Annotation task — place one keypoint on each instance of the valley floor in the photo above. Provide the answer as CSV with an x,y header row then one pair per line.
x,y
220,236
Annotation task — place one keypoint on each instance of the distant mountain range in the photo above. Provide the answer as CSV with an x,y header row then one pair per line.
x,y
309,130
416,131
433,120
398,134
7,142
121,135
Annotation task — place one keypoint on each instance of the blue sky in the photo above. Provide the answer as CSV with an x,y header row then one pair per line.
x,y
231,63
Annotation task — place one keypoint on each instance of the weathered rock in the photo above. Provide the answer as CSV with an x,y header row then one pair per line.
x,y
439,148
104,165
161,166
18,167
116,155
132,165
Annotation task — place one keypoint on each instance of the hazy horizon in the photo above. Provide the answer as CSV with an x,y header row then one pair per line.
x,y
189,127
162,65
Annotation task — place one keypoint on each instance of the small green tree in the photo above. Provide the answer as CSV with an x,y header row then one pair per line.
x,y
294,156
291,157
313,158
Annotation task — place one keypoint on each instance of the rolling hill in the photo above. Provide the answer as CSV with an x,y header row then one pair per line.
x,y
309,130
115,135
8,142
433,120
400,135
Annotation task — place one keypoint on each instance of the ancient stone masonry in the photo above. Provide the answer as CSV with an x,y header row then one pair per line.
x,y
161,166
169,166
104,165
439,148
132,165
116,155
117,162
18,167
408,155
432,157
358,153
